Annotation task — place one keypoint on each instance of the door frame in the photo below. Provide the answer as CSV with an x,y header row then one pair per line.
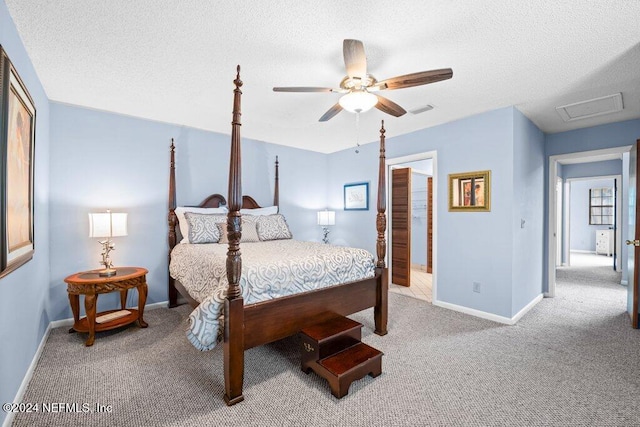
x,y
575,157
391,164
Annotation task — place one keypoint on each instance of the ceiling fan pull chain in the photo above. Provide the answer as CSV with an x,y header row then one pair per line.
x,y
357,132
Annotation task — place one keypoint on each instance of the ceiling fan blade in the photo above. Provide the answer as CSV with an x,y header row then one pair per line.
x,y
302,89
417,79
330,113
354,58
388,106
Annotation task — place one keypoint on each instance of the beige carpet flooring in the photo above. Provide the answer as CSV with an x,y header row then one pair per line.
x,y
571,361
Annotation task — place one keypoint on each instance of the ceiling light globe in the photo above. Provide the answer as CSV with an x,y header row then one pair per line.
x,y
358,101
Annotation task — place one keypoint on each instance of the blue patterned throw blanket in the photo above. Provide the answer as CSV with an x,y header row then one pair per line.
x,y
270,270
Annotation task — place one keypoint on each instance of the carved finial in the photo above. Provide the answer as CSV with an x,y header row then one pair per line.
x,y
382,131
276,159
173,147
237,81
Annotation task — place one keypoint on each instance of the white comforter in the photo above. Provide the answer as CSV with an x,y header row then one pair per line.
x,y
269,270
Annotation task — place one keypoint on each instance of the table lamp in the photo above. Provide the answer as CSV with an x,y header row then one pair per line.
x,y
326,218
107,225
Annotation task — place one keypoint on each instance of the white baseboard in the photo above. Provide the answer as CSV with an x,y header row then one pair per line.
x,y
490,316
8,421
580,251
36,357
624,282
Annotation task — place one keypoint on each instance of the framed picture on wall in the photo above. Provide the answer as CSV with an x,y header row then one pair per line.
x,y
356,196
470,192
17,141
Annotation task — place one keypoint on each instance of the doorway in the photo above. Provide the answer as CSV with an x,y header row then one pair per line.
x,y
593,217
627,223
412,189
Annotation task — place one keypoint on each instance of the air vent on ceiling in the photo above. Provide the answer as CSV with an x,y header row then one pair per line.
x,y
591,108
422,109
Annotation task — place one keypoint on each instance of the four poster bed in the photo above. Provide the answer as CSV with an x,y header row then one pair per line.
x,y
257,323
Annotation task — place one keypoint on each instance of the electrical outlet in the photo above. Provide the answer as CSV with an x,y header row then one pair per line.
x,y
476,287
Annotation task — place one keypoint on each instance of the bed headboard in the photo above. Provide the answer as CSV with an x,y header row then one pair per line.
x,y
212,201
217,200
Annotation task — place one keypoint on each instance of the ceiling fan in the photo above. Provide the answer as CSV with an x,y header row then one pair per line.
x,y
359,86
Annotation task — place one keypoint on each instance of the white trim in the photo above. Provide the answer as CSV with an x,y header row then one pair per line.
x,y
580,251
490,316
390,163
526,308
576,157
8,421
36,357
559,214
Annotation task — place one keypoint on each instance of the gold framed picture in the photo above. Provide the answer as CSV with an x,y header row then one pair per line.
x,y
470,192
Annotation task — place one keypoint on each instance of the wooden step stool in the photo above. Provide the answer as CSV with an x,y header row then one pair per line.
x,y
333,350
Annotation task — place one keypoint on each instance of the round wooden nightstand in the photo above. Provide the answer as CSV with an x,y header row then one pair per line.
x,y
90,284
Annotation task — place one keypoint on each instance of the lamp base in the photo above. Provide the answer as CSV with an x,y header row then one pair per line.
x,y
325,238
107,272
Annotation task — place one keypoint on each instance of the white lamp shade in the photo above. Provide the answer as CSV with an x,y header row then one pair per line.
x,y
326,218
358,101
107,224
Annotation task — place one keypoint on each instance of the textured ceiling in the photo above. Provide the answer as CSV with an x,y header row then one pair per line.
x,y
174,61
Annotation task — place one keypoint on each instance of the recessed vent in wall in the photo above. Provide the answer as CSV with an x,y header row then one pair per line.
x,y
422,109
591,108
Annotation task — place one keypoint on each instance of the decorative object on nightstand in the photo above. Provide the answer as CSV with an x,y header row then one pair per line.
x,y
326,218
107,224
91,284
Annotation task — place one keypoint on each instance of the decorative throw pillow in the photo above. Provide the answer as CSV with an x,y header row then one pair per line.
x,y
182,221
203,228
249,232
273,227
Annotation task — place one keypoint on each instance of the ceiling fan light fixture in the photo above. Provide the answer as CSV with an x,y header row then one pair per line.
x,y
358,101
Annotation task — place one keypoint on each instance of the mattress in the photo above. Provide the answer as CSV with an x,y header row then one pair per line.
x,y
270,270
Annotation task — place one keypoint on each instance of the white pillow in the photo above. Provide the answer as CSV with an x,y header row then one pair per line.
x,y
271,210
182,221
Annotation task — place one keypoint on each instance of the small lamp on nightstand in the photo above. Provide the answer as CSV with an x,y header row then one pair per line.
x,y
326,218
107,225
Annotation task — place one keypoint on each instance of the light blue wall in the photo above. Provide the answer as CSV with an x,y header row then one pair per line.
x,y
103,160
528,213
587,170
593,138
24,293
480,142
583,235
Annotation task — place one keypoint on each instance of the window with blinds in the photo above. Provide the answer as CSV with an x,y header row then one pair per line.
x,y
601,206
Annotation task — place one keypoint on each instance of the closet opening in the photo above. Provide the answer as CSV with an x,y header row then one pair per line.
x,y
412,246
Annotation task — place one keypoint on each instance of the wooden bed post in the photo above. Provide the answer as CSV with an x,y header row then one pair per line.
x,y
276,190
380,310
234,304
173,221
